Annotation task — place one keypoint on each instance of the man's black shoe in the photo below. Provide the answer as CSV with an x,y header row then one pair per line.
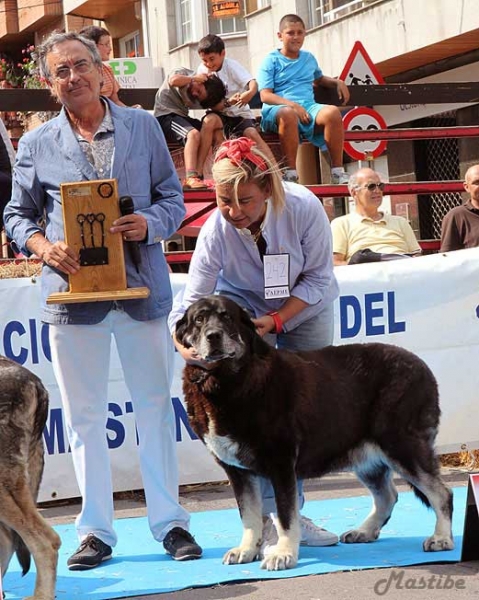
x,y
181,545
91,553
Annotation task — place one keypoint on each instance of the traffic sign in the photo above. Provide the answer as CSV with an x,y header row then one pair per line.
x,y
362,118
360,69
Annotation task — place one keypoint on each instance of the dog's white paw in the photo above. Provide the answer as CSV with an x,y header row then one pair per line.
x,y
437,543
279,561
359,536
240,555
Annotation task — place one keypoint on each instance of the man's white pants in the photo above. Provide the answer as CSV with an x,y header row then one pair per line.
x,y
81,360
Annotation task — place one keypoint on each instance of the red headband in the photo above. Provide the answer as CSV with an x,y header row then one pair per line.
x,y
238,150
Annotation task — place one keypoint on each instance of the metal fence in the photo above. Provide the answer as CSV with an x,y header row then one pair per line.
x,y
437,159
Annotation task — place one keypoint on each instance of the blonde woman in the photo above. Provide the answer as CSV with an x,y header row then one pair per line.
x,y
264,226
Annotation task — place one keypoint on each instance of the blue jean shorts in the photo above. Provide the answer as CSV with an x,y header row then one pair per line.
x,y
269,122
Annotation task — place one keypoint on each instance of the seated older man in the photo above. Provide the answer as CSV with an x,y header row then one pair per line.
x,y
367,234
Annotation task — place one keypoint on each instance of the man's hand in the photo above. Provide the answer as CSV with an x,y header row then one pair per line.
x,y
343,91
134,227
61,257
240,99
302,113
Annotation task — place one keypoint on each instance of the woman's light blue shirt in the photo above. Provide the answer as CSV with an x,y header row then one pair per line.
x,y
226,260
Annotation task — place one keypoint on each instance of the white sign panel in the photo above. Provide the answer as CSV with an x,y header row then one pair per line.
x,y
362,118
402,113
360,69
429,305
135,72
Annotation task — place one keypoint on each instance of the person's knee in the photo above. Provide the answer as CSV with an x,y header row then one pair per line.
x,y
329,115
253,134
211,122
193,137
287,116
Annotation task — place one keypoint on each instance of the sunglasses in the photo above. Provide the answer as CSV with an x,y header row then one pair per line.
x,y
372,186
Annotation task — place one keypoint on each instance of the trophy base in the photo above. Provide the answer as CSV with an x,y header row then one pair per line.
x,y
71,297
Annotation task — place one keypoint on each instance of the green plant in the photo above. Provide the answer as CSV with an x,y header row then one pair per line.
x,y
21,74
3,67
28,69
9,72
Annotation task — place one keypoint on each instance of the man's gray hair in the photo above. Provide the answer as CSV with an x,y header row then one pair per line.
x,y
353,180
59,37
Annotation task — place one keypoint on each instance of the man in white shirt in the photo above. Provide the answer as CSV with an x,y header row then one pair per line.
x,y
367,234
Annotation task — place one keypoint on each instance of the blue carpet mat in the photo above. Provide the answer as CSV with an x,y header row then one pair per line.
x,y
140,566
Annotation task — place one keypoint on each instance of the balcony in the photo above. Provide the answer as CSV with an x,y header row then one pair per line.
x,y
95,9
9,18
32,16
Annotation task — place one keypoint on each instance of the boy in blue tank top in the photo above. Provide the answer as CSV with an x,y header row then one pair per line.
x,y
286,80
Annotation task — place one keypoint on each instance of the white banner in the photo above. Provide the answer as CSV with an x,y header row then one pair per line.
x,y
429,305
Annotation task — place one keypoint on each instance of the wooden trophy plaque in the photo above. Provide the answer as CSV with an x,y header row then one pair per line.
x,y
89,209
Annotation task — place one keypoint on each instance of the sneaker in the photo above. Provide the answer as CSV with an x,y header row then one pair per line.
x,y
339,178
181,545
91,553
269,537
194,183
290,175
311,535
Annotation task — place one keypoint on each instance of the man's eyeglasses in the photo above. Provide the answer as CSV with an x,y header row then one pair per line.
x,y
81,68
372,186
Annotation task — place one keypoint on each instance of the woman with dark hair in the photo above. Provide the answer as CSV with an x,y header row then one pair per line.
x,y
102,39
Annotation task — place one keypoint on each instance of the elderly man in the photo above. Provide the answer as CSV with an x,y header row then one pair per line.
x,y
460,227
92,138
367,234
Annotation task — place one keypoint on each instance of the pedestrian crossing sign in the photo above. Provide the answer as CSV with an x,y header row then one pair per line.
x,y
360,69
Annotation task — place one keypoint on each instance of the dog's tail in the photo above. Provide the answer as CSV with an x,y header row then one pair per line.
x,y
22,552
422,497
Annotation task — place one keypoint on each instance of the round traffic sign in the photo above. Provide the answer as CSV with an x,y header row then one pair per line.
x,y
364,119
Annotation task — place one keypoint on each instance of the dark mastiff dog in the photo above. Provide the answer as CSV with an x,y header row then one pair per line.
x,y
23,414
372,408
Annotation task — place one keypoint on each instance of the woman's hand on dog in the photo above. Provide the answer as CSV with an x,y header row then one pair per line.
x,y
264,324
189,355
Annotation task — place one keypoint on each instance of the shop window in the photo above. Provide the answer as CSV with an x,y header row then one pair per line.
x,y
130,45
319,12
232,19
184,25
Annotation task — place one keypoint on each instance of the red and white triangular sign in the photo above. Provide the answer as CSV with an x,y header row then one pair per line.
x,y
360,69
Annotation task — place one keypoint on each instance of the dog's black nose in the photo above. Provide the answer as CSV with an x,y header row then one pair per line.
x,y
213,335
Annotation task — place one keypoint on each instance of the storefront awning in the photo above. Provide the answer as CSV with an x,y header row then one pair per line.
x,y
196,214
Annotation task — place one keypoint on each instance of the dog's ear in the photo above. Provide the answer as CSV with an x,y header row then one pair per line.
x,y
181,327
